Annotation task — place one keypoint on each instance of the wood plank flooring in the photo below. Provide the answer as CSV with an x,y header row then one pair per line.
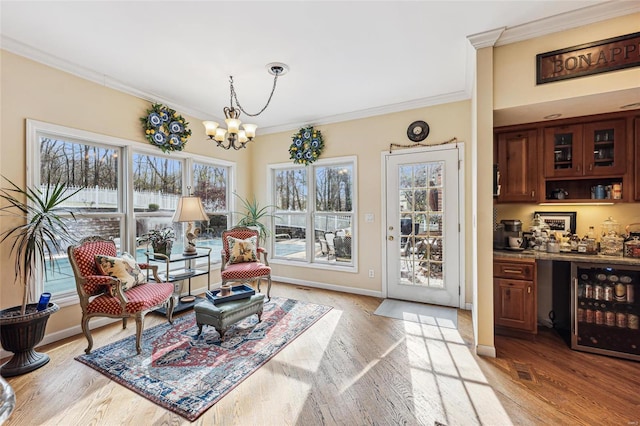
x,y
356,368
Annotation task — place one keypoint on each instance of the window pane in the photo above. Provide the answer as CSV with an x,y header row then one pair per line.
x,y
91,167
291,190
157,186
333,237
290,236
59,278
95,169
334,186
210,184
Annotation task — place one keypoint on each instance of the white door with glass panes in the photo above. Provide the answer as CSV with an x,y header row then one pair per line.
x,y
422,226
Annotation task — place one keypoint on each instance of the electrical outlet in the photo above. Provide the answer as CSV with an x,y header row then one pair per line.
x,y
371,273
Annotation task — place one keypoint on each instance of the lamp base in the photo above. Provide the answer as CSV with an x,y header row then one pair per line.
x,y
189,250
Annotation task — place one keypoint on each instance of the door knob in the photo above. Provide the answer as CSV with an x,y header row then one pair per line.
x,y
390,238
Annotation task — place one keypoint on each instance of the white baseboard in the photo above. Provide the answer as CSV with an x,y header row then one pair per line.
x,y
63,334
488,351
325,286
468,306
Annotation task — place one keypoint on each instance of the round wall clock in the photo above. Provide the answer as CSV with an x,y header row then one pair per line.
x,y
418,131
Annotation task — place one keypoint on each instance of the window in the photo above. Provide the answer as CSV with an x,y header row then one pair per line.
x,y
315,212
157,186
111,174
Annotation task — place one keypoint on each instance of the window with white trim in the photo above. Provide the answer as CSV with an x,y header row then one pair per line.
x,y
111,173
315,212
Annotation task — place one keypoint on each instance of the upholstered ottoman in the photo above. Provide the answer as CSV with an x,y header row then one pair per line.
x,y
224,315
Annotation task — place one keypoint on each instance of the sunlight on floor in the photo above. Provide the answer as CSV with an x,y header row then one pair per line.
x,y
442,365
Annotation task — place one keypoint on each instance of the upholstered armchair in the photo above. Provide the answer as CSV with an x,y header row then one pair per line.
x,y
115,287
241,258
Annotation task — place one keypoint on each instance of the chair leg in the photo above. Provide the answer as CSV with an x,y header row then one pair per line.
x,y
124,323
269,288
87,333
139,326
171,305
258,284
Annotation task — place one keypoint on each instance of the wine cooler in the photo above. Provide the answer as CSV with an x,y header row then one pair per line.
x,y
605,308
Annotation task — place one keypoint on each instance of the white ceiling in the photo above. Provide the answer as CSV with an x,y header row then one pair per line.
x,y
347,59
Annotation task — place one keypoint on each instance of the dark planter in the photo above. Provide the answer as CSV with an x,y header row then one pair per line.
x,y
20,334
163,248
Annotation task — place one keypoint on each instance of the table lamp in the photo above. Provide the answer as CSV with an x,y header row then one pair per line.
x,y
189,210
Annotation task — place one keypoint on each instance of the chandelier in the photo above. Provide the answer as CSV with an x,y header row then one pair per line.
x,y
233,136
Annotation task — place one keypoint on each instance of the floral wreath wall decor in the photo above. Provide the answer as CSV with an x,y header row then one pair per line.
x,y
307,146
165,128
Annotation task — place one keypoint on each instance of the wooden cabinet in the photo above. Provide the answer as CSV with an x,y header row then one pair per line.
x,y
592,149
518,166
514,295
636,155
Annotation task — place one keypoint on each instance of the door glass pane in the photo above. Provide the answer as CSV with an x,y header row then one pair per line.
x,y
421,199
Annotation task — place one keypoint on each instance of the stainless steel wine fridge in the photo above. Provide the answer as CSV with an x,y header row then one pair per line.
x,y
605,307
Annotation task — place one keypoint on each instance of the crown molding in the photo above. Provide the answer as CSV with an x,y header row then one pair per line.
x,y
40,56
486,38
568,20
372,112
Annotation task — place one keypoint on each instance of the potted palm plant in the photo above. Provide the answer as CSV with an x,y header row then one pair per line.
x,y
253,214
41,234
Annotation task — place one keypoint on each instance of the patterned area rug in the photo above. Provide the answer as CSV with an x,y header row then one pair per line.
x,y
186,373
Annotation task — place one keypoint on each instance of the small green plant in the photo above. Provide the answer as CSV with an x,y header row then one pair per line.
x,y
157,237
253,214
154,207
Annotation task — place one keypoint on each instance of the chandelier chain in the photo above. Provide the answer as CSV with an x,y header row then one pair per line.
x,y
234,96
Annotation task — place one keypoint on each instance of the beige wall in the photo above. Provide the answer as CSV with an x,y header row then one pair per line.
x,y
366,139
35,91
515,66
32,90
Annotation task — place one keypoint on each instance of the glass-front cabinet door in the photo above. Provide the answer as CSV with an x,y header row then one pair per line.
x,y
604,147
563,151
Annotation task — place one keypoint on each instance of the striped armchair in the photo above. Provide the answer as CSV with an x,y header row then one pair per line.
x,y
103,295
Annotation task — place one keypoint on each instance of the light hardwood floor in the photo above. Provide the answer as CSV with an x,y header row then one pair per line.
x,y
356,368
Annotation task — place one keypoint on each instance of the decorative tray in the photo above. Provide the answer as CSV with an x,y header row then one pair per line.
x,y
237,292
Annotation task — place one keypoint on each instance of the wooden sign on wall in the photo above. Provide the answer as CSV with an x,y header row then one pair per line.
x,y
587,59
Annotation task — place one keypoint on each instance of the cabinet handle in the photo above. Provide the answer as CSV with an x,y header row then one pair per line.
x,y
512,271
529,289
590,166
578,167
533,194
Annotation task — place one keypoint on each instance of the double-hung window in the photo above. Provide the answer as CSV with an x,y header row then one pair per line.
x,y
125,193
315,213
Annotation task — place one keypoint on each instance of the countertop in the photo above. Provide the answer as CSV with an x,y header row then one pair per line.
x,y
566,257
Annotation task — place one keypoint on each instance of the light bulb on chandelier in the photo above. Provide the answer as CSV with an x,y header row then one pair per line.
x,y
233,136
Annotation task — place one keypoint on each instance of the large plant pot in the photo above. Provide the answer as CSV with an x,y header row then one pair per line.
x,y
20,334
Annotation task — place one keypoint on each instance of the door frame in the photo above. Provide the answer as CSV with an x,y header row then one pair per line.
x,y
459,146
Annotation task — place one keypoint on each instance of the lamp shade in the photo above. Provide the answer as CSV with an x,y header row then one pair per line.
x,y
190,209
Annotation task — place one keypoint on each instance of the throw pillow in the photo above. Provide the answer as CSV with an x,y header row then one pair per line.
x,y
241,251
125,268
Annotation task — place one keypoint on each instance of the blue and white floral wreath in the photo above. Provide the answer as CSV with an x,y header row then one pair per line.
x,y
307,146
165,128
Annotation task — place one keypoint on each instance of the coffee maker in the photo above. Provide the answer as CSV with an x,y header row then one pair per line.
x,y
505,229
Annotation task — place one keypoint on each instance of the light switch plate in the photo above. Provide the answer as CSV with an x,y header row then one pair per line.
x,y
368,217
